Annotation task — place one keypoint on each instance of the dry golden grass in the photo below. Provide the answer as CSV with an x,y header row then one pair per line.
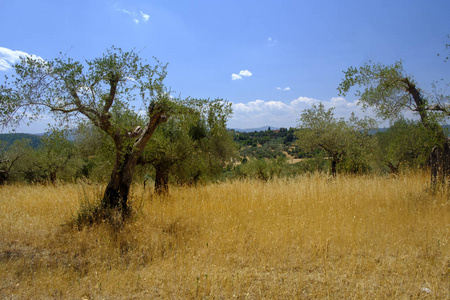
x,y
350,238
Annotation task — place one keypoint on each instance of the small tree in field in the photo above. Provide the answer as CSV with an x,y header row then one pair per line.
x,y
103,91
405,144
340,139
193,144
54,153
9,156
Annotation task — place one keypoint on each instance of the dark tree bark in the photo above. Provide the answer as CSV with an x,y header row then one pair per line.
x,y
162,179
393,169
3,177
334,163
53,177
195,178
118,188
440,164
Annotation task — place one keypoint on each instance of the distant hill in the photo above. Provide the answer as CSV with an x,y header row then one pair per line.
x,y
373,131
36,138
10,138
264,128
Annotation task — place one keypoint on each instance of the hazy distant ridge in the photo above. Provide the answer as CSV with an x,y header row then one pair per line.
x,y
264,128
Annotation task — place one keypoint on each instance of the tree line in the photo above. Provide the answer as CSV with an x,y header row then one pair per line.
x,y
187,151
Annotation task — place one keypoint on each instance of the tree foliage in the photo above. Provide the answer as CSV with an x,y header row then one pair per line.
x,y
55,153
95,150
10,156
405,144
10,138
262,169
192,145
340,139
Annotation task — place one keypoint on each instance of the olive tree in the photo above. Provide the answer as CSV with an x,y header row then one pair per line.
x,y
195,143
10,156
406,143
95,150
391,91
54,153
103,91
340,139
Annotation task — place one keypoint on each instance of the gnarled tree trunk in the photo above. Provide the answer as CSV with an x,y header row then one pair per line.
x,y
3,177
440,155
52,176
334,163
118,188
392,168
335,159
440,164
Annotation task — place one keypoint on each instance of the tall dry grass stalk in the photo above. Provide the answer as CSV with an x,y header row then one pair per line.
x,y
309,237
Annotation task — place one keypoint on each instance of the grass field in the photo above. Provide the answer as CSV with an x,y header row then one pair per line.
x,y
304,238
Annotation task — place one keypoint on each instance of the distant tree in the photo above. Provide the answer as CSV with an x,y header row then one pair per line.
x,y
10,138
95,150
192,144
54,153
262,169
171,144
406,143
10,156
340,139
102,91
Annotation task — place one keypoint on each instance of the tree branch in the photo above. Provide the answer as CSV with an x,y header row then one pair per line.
x,y
157,117
112,94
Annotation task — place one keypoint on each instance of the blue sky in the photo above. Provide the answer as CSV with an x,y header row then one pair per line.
x,y
271,59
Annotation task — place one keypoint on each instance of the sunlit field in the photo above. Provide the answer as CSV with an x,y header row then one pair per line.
x,y
309,237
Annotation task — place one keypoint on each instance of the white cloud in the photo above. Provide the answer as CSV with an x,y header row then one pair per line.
x,y
245,73
135,16
260,106
10,57
235,76
126,12
284,89
304,102
242,73
145,17
131,14
276,113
